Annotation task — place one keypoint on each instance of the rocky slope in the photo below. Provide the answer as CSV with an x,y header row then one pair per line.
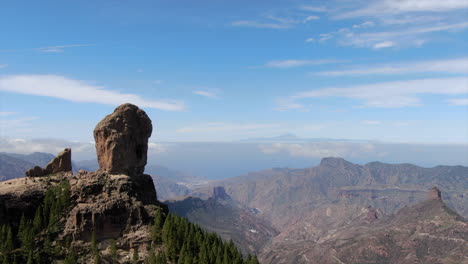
x,y
227,218
427,232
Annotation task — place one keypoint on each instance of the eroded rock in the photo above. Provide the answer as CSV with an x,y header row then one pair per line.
x,y
122,140
61,163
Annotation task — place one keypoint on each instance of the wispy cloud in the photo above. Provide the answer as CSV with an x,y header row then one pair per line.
x,y
319,149
391,94
204,93
384,44
221,127
7,113
366,24
61,48
3,65
455,66
458,101
311,18
378,8
298,63
371,122
285,104
414,36
79,91
257,24
317,9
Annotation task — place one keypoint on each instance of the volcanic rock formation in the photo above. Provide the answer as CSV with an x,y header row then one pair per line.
x,y
61,163
122,140
116,202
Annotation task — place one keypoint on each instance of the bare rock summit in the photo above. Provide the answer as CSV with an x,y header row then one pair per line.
x,y
122,140
434,194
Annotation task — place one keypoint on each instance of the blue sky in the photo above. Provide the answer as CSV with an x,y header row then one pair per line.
x,y
393,71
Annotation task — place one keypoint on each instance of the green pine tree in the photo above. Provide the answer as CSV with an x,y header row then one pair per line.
x,y
113,250
135,257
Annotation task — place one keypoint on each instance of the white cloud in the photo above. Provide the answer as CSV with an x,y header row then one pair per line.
x,y
384,44
378,8
326,36
310,40
297,63
78,91
221,127
414,36
206,93
366,24
319,149
392,94
284,104
310,18
371,122
156,147
7,113
458,101
456,66
256,24
314,8
61,48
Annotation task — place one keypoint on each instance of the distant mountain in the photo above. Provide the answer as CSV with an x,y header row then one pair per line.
x,y
36,158
337,212
284,196
427,232
14,165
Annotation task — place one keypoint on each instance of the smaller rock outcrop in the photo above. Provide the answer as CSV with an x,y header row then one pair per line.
x,y
434,194
61,163
122,140
219,193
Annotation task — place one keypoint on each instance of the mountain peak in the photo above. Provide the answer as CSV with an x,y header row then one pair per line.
x,y
333,162
434,194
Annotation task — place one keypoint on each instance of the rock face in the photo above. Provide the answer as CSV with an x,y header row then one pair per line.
x,y
122,140
61,163
434,194
220,193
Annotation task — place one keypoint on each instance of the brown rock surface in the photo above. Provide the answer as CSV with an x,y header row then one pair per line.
x,y
61,163
435,194
122,140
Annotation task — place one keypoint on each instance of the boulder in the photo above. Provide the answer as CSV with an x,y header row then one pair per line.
x,y
35,172
122,140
